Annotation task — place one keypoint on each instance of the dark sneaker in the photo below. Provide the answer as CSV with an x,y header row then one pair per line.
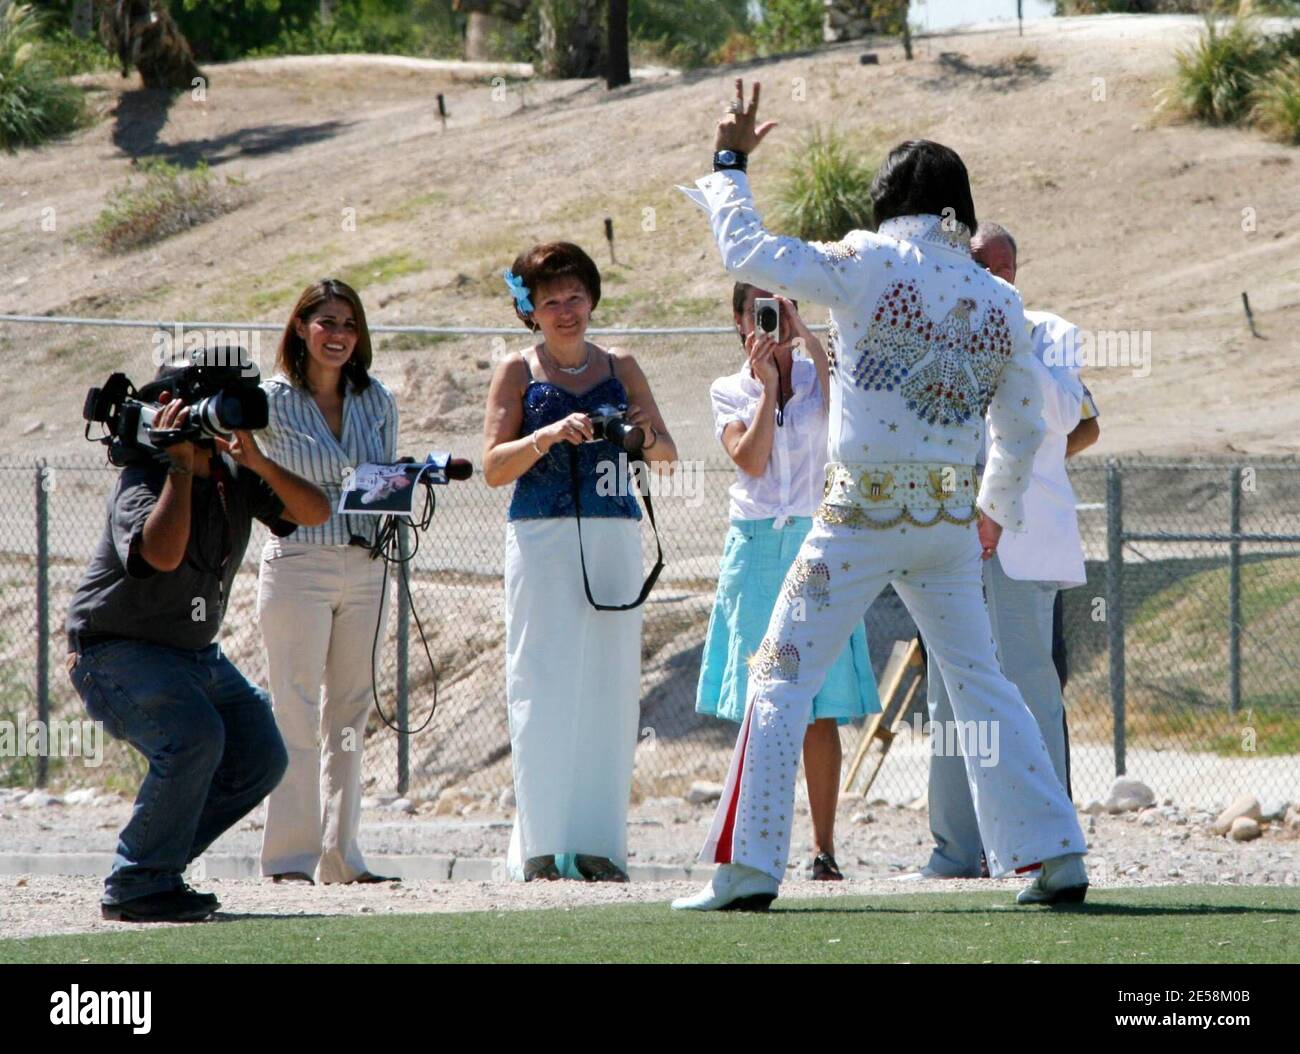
x,y
175,905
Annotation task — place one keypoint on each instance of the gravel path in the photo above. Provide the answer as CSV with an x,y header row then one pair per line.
x,y
877,844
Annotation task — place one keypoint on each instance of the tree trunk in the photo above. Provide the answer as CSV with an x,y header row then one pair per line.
x,y
141,33
572,38
479,35
83,18
619,67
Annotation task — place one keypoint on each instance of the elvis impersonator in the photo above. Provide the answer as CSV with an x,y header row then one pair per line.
x,y
923,342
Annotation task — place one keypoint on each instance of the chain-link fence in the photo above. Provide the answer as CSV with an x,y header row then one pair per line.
x,y
1184,654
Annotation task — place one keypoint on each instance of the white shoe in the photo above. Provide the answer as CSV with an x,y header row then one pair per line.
x,y
1062,880
734,887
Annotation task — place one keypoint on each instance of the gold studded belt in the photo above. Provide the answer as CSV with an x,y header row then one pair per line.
x,y
880,495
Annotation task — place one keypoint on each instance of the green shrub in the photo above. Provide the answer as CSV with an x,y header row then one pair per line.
x,y
826,189
172,199
67,54
35,105
789,25
1216,75
1277,101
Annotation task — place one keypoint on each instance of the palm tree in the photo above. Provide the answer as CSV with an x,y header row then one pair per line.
x,y
573,37
143,34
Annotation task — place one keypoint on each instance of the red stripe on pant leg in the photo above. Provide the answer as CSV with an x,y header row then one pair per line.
x,y
723,854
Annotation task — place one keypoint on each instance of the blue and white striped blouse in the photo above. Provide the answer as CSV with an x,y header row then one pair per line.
x,y
298,437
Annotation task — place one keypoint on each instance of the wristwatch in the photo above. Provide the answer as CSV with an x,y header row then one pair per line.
x,y
730,159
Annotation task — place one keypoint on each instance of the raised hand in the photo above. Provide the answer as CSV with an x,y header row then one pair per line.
x,y
737,130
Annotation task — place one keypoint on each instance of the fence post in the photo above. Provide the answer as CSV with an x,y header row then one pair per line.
x,y
42,616
1234,591
403,662
1115,602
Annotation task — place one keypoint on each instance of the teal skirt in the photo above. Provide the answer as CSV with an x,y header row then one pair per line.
x,y
755,560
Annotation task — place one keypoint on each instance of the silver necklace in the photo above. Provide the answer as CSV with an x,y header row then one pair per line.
x,y
568,369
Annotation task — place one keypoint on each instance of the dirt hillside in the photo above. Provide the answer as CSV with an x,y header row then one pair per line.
x,y
1127,221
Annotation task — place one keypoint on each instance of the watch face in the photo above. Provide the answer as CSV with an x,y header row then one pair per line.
x,y
726,157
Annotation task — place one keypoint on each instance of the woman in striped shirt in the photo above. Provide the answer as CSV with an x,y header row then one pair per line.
x,y
319,593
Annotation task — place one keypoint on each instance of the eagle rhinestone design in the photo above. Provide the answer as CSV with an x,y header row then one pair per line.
x,y
946,371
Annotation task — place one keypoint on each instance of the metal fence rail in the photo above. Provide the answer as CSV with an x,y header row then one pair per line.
x,y
1184,643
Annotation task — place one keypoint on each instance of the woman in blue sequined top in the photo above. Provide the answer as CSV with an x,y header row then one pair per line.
x,y
573,673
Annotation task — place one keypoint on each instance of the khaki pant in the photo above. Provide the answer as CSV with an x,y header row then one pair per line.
x,y
317,606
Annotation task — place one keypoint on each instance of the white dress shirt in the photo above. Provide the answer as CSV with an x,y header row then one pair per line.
x,y
298,437
1051,549
792,481
924,341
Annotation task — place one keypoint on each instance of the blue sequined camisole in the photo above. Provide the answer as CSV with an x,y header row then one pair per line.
x,y
605,487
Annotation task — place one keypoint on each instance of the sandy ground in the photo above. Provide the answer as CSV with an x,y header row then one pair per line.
x,y
1128,220
876,843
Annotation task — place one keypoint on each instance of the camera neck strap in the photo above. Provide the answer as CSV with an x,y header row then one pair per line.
x,y
653,576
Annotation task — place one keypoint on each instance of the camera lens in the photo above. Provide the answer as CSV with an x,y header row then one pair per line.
x,y
630,437
767,319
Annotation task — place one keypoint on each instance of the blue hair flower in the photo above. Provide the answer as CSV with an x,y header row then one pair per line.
x,y
518,290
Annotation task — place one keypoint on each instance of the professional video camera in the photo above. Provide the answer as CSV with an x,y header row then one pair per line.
x,y
221,396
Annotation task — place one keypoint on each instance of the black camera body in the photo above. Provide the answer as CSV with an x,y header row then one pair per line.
x,y
221,398
611,423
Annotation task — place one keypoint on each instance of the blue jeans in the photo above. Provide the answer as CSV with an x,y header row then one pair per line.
x,y
211,742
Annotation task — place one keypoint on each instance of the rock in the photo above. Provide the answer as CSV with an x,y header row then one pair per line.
x,y
39,799
401,805
1173,872
506,799
702,791
80,796
1292,819
452,801
1244,829
1094,808
33,428
1273,810
103,801
920,805
1149,818
862,818
1129,795
1246,806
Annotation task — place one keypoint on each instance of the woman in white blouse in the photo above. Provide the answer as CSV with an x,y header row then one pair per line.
x,y
771,417
319,594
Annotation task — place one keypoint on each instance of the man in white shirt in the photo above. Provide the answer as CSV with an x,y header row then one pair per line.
x,y
924,342
1023,577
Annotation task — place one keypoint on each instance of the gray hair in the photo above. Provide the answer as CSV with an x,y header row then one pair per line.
x,y
990,231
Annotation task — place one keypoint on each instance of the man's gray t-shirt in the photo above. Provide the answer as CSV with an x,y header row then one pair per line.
x,y
121,595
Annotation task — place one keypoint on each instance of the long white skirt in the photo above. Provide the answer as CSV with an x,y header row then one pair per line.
x,y
573,685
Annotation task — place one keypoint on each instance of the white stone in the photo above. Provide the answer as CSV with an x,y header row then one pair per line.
x,y
80,796
1149,818
862,818
39,799
1129,795
105,800
506,799
401,805
1094,808
1244,829
702,791
1247,805
1273,810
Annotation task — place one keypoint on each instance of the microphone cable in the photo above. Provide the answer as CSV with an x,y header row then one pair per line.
x,y
387,547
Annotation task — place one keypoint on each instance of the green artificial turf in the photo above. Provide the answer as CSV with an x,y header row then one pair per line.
x,y
1172,924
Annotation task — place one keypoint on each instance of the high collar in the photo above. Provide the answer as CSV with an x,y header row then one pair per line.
x,y
929,230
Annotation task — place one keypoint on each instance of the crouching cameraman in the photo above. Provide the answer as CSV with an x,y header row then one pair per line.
x,y
141,631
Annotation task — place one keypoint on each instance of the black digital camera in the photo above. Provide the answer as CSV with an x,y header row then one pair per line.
x,y
610,422
221,398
